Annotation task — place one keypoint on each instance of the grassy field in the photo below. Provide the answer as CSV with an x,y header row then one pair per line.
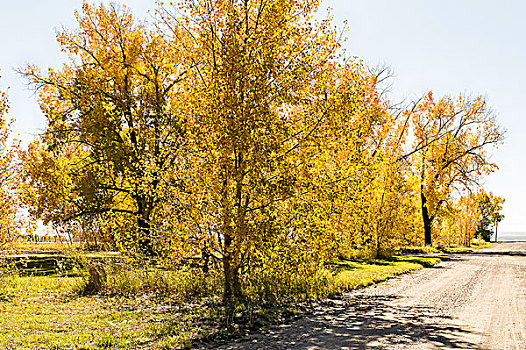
x,y
47,312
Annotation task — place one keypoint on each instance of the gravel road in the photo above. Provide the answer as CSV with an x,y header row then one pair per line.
x,y
475,301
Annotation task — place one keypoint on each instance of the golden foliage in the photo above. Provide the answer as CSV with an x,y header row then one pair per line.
x,y
12,223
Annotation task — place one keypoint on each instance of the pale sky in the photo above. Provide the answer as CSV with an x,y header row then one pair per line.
x,y
450,47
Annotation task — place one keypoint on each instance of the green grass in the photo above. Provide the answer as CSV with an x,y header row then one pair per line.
x,y
446,250
460,250
355,274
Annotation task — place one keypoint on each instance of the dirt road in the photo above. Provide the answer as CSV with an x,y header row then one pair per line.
x,y
476,301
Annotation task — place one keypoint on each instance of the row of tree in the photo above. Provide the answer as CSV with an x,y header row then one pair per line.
x,y
236,133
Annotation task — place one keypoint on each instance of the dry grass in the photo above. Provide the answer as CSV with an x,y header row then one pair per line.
x,y
52,246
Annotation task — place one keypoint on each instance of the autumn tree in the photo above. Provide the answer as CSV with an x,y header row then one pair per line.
x,y
367,204
489,206
457,225
114,124
53,190
259,59
10,221
285,127
451,140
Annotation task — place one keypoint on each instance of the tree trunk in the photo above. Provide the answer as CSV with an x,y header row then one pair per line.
x,y
205,258
143,226
425,217
496,229
145,243
232,217
232,286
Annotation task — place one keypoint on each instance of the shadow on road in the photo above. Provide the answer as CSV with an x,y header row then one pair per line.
x,y
364,322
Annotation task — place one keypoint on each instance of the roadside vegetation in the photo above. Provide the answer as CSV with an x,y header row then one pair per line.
x,y
452,249
221,162
152,308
